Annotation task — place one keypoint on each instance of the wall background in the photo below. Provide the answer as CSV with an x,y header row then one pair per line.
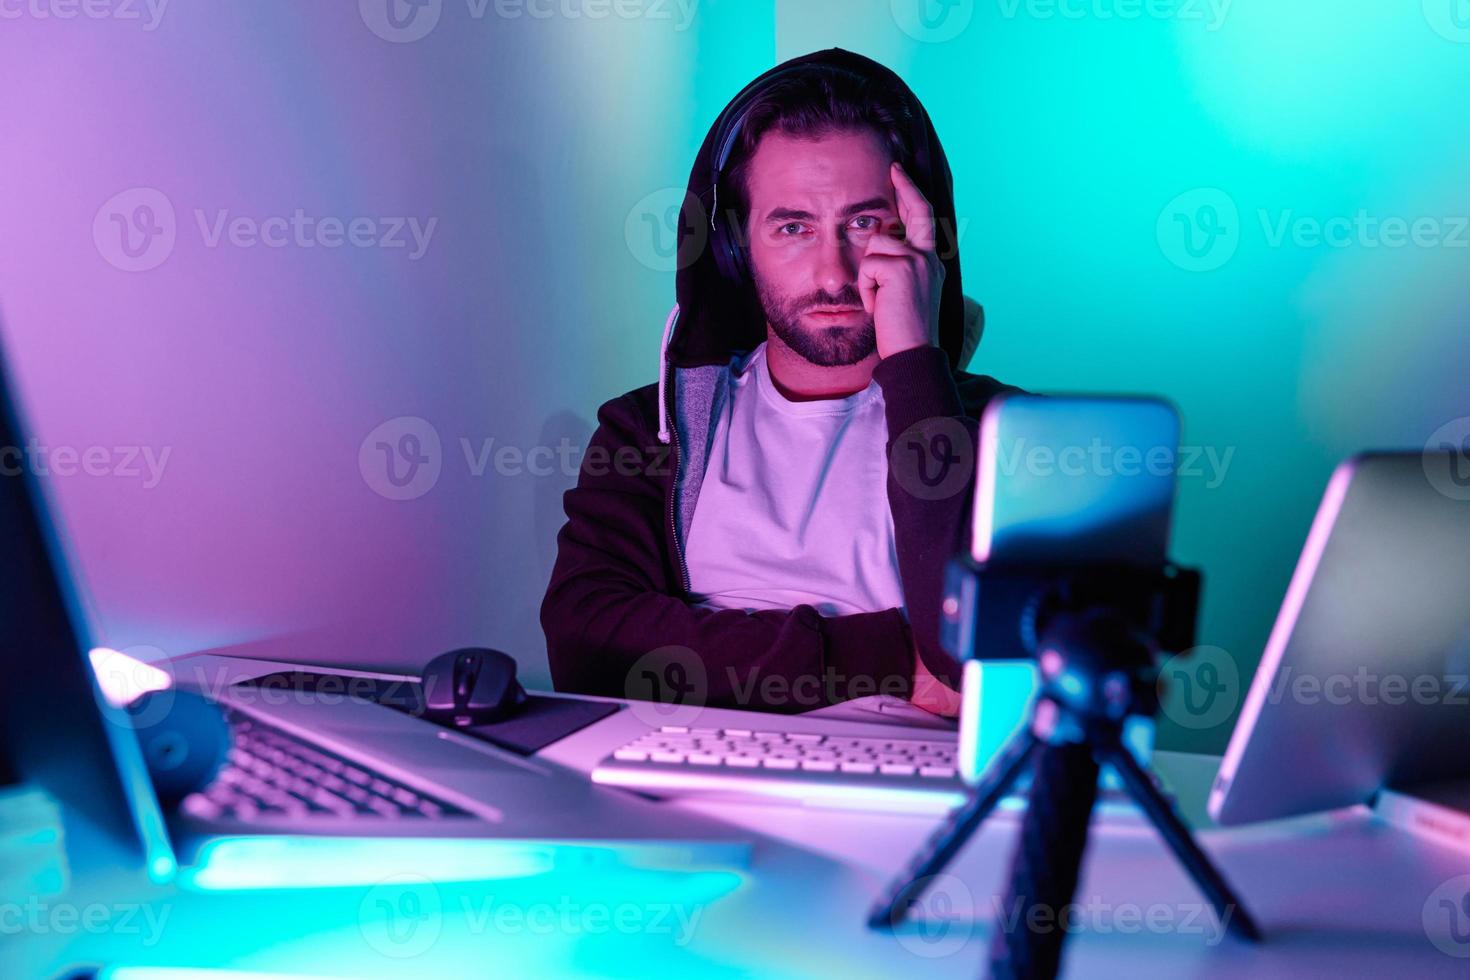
x,y
542,140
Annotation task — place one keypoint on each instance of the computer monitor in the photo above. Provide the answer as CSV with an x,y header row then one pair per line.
x,y
1365,681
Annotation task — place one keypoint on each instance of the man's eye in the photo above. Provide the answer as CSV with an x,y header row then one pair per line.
x,y
790,228
866,222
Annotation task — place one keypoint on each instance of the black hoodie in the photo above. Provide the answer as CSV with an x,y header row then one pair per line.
x,y
617,613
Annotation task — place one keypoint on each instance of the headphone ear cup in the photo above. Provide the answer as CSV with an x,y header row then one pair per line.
x,y
729,256
739,262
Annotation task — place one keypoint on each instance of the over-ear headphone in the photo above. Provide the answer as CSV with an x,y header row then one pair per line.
x,y
726,243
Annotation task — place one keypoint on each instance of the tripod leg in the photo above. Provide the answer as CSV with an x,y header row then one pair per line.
x,y
951,835
1171,827
1031,925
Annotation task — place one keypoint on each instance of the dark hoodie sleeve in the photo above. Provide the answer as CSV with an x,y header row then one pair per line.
x,y
933,436
613,611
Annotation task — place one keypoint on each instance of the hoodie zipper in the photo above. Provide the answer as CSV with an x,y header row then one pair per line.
x,y
674,483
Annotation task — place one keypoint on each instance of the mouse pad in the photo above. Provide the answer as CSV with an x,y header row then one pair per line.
x,y
537,723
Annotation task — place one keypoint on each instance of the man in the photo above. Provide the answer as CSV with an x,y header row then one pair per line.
x,y
756,530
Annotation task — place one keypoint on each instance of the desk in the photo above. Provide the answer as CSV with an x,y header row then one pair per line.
x,y
1341,895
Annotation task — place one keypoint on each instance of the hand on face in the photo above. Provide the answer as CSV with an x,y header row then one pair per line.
x,y
900,277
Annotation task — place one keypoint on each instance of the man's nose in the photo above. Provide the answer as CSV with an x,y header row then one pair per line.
x,y
837,264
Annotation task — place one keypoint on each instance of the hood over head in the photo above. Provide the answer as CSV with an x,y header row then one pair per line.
x,y
718,318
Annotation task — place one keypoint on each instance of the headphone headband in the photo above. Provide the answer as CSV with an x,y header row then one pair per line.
x,y
730,257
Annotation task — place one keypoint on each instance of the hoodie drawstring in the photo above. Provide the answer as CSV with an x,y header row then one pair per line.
x,y
663,376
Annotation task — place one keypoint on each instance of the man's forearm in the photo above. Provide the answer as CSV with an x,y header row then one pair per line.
x,y
931,454
612,643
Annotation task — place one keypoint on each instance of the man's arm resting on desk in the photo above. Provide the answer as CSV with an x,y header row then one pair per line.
x,y
615,605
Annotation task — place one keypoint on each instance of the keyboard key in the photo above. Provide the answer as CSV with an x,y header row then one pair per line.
x,y
827,758
871,743
334,803
384,808
201,807
274,773
245,809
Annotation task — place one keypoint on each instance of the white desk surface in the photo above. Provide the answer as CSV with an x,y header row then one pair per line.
x,y
1341,895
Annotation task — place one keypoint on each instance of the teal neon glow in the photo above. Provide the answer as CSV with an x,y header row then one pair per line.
x,y
158,851
306,862
189,973
244,863
995,704
32,859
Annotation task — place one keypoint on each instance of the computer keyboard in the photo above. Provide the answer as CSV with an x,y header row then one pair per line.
x,y
272,774
864,772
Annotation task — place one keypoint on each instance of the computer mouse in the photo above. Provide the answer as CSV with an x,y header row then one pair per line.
x,y
185,740
471,686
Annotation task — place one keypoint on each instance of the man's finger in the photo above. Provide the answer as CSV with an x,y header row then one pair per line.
x,y
868,288
886,244
879,268
913,209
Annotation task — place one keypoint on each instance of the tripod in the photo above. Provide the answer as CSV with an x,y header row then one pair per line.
x,y
1097,670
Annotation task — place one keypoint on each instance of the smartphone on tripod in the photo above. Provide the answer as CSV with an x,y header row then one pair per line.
x,y
1061,480
1068,575
1065,480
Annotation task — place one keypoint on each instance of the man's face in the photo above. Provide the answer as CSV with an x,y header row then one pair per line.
x,y
814,205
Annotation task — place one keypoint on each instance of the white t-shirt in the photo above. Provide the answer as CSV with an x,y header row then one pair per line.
x,y
794,504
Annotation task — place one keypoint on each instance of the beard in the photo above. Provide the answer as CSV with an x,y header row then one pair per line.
x,y
832,346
